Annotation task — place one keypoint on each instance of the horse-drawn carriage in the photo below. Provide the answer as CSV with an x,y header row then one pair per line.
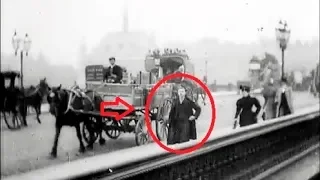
x,y
136,95
9,99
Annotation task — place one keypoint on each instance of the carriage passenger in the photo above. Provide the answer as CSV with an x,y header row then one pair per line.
x,y
114,72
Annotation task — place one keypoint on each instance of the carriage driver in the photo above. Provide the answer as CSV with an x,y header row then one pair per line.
x,y
114,72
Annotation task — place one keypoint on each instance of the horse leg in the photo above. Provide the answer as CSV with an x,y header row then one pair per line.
x,y
55,144
102,141
91,133
23,111
36,108
39,107
82,148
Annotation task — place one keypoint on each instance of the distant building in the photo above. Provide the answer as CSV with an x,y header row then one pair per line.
x,y
129,48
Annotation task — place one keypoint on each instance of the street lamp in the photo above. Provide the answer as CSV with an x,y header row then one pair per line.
x,y
283,36
205,78
16,42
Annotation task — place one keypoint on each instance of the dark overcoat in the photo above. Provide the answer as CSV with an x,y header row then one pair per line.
x,y
288,94
182,130
117,70
244,110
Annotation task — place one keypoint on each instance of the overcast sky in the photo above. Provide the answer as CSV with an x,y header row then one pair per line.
x,y
57,27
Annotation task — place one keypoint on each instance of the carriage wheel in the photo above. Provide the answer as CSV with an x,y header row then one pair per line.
x,y
86,133
13,122
141,133
112,129
162,124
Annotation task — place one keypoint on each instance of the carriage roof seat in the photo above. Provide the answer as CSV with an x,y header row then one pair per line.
x,y
9,74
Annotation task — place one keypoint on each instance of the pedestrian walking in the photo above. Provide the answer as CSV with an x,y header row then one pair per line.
x,y
269,106
284,102
244,115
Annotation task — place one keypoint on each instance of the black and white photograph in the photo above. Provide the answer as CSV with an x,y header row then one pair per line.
x,y
160,90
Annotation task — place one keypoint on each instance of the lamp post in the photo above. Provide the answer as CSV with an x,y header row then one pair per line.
x,y
16,43
283,36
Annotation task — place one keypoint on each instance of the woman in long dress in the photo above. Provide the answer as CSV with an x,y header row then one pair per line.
x,y
244,109
269,94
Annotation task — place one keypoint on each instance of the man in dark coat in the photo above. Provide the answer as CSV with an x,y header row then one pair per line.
x,y
182,125
244,109
283,100
114,72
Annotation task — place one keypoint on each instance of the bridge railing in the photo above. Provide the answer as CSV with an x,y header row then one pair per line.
x,y
241,154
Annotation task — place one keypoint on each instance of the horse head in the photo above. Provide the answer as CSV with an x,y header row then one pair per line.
x,y
58,100
44,87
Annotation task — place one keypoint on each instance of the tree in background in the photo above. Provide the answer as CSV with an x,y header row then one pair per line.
x,y
36,69
270,68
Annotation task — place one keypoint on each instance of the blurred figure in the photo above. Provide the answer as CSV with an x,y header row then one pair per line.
x,y
244,109
283,100
182,125
269,106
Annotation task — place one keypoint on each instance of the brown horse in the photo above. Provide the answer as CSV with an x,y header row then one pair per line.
x,y
89,100
33,98
64,104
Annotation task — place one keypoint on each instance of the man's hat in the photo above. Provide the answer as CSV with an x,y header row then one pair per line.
x,y
112,58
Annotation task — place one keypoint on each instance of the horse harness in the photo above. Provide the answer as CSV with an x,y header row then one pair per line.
x,y
77,92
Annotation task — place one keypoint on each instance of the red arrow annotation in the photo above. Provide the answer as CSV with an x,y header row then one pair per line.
x,y
114,114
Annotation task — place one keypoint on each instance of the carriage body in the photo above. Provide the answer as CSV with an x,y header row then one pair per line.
x,y
161,65
131,93
9,86
136,94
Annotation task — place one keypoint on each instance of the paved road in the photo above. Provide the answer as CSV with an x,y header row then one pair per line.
x,y
28,148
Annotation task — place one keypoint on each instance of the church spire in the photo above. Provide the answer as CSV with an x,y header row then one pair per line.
x,y
125,17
